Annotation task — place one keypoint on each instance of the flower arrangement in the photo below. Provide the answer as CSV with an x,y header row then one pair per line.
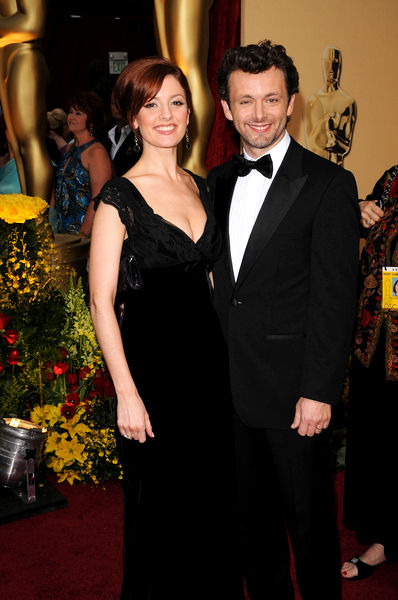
x,y
51,367
81,442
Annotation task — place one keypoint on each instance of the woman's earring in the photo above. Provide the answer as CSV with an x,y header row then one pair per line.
x,y
137,146
187,140
91,131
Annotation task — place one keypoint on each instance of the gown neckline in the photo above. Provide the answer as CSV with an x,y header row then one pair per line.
x,y
145,203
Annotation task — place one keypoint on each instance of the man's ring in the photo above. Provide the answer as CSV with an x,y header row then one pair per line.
x,y
319,428
126,436
368,222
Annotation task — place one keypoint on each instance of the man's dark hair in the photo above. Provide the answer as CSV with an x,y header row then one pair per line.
x,y
256,58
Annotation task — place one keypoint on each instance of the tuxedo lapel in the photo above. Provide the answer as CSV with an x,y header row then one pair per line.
x,y
283,192
223,195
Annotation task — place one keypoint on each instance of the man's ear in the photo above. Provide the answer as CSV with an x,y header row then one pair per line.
x,y
290,106
227,110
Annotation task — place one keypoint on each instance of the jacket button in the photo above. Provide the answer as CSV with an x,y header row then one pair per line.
x,y
236,302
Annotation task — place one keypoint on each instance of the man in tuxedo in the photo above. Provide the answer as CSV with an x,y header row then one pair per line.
x,y
122,147
284,289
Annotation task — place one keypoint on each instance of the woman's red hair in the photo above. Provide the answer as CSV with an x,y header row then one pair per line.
x,y
141,80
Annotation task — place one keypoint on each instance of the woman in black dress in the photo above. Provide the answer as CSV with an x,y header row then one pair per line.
x,y
370,506
168,360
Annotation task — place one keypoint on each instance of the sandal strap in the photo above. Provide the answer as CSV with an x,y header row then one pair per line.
x,y
364,570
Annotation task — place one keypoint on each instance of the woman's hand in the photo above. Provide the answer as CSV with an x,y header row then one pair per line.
x,y
132,418
370,212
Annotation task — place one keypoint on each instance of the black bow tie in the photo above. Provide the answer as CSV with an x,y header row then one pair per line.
x,y
244,166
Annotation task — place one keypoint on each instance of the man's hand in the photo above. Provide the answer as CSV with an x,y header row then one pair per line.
x,y
311,416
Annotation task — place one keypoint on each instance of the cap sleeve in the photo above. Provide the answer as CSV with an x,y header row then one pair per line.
x,y
116,193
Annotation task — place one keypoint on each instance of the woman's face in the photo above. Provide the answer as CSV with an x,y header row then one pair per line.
x,y
77,120
163,120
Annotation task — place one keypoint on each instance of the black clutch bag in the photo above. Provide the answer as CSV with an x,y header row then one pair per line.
x,y
129,274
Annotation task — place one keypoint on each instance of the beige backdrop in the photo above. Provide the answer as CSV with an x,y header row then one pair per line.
x,y
365,32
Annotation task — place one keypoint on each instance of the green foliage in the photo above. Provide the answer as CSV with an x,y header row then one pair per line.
x,y
12,396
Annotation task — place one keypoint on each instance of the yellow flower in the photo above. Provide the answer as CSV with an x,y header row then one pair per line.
x,y
76,428
46,415
70,476
18,208
53,440
70,450
56,464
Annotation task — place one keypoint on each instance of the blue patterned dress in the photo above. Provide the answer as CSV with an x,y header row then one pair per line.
x,y
72,190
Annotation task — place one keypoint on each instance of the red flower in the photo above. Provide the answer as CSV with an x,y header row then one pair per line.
x,y
84,372
63,353
60,367
68,411
71,378
92,394
4,320
99,381
1,366
49,375
72,399
13,357
108,388
103,383
11,336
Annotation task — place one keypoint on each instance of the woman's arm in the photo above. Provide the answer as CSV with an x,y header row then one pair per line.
x,y
106,245
99,167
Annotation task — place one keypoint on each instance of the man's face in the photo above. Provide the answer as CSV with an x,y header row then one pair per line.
x,y
259,108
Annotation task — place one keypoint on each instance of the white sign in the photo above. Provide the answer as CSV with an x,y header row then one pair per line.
x,y
117,62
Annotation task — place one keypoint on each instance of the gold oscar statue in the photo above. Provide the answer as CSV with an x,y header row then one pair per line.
x,y
330,113
182,29
23,81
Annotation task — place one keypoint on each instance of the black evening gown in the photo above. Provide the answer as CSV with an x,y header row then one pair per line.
x,y
179,538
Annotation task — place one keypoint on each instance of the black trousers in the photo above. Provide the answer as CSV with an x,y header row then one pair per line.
x,y
285,484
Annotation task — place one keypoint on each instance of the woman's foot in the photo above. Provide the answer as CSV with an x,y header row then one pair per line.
x,y
359,568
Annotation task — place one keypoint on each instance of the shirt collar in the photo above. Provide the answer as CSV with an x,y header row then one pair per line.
x,y
125,130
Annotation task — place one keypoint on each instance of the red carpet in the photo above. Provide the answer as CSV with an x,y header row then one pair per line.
x,y
75,552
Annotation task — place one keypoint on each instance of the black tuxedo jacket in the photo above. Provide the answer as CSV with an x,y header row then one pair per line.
x,y
126,156
288,318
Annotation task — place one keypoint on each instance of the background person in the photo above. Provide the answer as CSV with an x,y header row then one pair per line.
x,y
168,359
9,180
83,169
372,447
58,134
122,147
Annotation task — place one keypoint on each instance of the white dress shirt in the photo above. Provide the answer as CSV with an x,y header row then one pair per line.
x,y
247,200
123,134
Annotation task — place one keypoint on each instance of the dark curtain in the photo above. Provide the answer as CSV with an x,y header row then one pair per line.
x,y
224,33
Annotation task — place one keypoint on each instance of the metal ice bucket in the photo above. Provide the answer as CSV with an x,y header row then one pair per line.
x,y
19,441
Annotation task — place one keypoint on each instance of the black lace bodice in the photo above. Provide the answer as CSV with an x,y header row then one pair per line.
x,y
155,242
